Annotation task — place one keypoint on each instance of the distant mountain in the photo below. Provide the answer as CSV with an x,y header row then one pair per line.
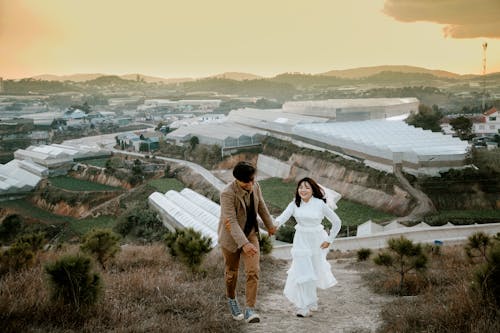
x,y
88,77
151,79
356,73
236,76
72,77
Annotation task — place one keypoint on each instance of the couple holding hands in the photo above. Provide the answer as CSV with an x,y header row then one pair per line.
x,y
241,202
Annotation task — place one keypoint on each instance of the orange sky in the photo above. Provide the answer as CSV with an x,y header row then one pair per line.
x,y
191,38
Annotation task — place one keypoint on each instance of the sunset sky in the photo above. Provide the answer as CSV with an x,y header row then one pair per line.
x,y
196,38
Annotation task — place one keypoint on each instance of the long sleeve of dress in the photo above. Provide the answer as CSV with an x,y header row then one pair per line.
x,y
334,219
285,216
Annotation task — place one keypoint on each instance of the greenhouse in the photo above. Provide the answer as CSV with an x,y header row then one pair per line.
x,y
389,143
178,212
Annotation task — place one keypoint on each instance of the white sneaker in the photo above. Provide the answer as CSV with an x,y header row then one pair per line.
x,y
313,307
302,313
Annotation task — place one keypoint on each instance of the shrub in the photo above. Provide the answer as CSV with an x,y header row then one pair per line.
x,y
22,253
10,227
72,282
265,243
363,254
16,257
487,277
404,256
189,246
286,232
477,246
35,240
141,222
101,243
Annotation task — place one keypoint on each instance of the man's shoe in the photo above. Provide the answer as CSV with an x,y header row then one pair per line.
x,y
302,313
235,309
251,316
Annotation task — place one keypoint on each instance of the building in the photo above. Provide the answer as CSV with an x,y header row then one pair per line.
x,y
230,137
381,144
489,123
354,109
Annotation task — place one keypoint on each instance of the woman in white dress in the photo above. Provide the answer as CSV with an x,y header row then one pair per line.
x,y
310,269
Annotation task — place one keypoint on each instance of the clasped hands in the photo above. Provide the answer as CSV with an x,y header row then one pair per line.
x,y
250,249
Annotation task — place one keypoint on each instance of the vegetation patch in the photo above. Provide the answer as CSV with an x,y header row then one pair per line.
x,y
98,162
79,185
166,184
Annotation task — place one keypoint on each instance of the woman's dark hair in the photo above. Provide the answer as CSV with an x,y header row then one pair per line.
x,y
244,171
316,189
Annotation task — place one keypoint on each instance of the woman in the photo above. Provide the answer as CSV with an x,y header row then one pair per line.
x,y
310,269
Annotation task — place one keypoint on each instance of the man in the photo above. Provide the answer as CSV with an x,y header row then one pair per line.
x,y
241,201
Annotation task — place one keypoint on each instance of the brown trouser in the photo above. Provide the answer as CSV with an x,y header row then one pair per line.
x,y
252,269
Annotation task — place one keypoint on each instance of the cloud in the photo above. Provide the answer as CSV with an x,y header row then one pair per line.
x,y
461,18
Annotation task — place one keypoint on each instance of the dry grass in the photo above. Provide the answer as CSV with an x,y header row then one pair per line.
x,y
445,301
145,290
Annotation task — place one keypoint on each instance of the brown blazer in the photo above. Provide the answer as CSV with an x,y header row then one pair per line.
x,y
232,207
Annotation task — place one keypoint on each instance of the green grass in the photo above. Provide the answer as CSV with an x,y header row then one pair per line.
x,y
75,226
277,193
98,162
25,208
81,227
165,184
353,213
464,216
73,184
280,194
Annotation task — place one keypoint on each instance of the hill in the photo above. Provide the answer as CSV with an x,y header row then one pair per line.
x,y
356,73
237,76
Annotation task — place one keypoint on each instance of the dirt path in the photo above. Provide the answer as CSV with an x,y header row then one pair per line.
x,y
348,307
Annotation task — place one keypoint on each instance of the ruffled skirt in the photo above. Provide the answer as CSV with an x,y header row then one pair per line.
x,y
309,269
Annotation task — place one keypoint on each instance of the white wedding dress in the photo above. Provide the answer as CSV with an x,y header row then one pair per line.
x,y
309,269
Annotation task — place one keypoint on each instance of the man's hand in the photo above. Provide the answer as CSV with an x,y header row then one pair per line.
x,y
249,249
271,231
325,245
227,224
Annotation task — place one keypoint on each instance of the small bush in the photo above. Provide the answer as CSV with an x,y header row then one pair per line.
x,y
16,257
286,232
101,243
363,254
141,223
9,228
266,245
35,240
487,277
404,256
22,253
477,246
72,282
189,246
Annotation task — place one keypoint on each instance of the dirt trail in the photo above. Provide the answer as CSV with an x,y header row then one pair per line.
x,y
348,307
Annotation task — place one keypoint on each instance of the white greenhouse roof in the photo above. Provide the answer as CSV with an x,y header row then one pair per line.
x,y
13,178
272,115
350,103
201,201
179,212
215,130
383,138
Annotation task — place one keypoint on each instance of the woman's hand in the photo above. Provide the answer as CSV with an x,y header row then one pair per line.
x,y
325,245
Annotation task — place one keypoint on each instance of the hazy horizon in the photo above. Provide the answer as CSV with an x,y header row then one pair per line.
x,y
192,39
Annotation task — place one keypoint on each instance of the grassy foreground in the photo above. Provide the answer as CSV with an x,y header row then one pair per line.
x,y
145,290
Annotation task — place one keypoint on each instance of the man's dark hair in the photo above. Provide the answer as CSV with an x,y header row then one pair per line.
x,y
244,171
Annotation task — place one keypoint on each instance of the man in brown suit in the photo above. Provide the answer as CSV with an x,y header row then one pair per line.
x,y
241,201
